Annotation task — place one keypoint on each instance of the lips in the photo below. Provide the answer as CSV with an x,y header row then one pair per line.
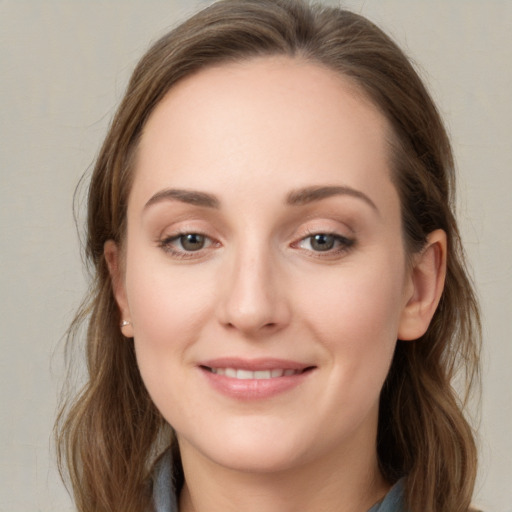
x,y
254,379
238,373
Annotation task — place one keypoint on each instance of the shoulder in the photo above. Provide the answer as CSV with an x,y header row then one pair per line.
x,y
394,501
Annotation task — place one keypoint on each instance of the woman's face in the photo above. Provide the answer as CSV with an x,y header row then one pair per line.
x,y
264,271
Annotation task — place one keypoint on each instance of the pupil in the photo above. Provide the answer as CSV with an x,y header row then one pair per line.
x,y
322,242
192,242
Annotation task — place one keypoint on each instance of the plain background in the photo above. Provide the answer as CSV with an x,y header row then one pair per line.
x,y
64,66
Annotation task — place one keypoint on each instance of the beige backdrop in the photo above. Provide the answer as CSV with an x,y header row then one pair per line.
x,y
64,65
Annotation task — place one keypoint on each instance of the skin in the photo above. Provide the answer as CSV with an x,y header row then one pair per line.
x,y
251,135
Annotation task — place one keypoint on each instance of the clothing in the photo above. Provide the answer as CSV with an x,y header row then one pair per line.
x,y
393,501
164,492
165,498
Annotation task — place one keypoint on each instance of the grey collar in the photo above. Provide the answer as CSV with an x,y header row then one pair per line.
x,y
393,501
164,490
165,495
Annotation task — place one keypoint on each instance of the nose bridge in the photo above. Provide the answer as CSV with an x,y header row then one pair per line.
x,y
253,300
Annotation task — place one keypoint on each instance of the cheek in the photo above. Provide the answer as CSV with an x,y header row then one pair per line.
x,y
356,315
168,314
361,304
167,303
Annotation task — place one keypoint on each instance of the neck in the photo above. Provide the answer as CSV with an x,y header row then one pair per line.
x,y
340,482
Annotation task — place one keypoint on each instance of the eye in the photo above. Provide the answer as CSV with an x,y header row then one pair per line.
x,y
322,242
325,242
192,241
185,244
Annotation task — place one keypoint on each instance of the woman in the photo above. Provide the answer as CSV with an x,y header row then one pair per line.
x,y
280,292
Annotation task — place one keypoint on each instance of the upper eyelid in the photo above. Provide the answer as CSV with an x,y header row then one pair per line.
x,y
175,236
337,236
302,234
291,230
345,244
185,228
334,227
321,221
345,232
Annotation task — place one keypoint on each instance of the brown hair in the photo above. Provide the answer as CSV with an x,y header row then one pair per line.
x,y
111,433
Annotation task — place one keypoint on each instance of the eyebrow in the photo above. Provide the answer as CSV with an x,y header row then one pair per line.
x,y
185,196
297,197
310,194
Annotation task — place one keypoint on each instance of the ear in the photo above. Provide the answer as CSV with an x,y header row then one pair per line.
x,y
113,258
426,283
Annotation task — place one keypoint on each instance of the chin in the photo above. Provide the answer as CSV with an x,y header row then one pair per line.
x,y
252,449
257,459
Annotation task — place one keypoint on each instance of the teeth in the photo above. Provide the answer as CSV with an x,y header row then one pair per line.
x,y
244,374
258,374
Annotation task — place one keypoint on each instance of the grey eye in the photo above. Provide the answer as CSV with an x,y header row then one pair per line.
x,y
192,241
322,242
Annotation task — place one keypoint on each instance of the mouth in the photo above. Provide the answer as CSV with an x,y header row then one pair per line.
x,y
243,374
250,379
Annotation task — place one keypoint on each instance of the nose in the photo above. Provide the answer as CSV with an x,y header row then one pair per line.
x,y
254,301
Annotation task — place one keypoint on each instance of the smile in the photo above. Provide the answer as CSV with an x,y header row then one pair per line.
x,y
259,379
237,373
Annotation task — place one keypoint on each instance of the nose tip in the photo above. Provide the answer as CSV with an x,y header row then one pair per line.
x,y
250,321
255,303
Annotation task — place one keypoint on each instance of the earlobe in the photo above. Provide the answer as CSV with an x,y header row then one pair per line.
x,y
112,255
427,278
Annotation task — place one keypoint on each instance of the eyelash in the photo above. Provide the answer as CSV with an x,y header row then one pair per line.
x,y
343,244
166,245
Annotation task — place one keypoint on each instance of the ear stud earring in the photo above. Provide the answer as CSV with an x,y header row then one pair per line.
x,y
124,323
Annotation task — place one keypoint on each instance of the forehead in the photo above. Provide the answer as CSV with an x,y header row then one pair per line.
x,y
282,119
